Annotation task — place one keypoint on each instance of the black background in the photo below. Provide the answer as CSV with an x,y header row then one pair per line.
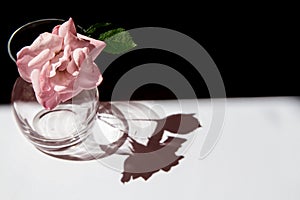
x,y
255,47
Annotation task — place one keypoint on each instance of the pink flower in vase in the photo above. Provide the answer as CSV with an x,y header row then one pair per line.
x,y
60,64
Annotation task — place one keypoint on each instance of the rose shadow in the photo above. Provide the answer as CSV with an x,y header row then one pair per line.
x,y
159,154
142,159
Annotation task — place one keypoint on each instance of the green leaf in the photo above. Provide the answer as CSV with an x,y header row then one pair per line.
x,y
110,33
117,41
93,28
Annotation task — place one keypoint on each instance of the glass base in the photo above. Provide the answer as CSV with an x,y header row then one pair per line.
x,y
110,138
105,136
55,124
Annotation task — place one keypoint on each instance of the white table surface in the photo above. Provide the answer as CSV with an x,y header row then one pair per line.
x,y
257,157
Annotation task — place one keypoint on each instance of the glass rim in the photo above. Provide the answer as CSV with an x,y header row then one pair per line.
x,y
23,26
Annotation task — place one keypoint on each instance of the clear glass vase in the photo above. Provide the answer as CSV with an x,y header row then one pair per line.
x,y
59,130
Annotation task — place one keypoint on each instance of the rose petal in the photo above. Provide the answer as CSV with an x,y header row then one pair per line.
x,y
36,83
66,28
40,59
33,57
47,41
98,45
89,75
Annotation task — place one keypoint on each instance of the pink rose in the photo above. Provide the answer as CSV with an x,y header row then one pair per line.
x,y
60,64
